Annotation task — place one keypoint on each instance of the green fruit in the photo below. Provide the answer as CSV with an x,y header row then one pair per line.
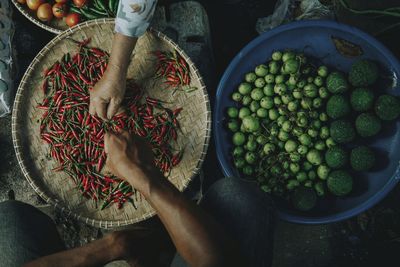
x,y
279,78
251,145
323,172
250,77
233,125
262,113
336,83
237,97
294,167
314,157
257,94
244,112
238,138
250,157
246,100
362,99
290,66
260,82
247,170
268,90
339,183
387,107
322,71
302,150
277,55
319,81
274,67
363,73
261,70
368,125
290,146
254,105
251,124
336,157
244,88
238,151
232,112
305,139
342,131
304,198
269,78
324,132
267,102
337,106
362,158
273,114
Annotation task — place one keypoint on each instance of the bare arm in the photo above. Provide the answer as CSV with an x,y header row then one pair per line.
x,y
197,237
133,19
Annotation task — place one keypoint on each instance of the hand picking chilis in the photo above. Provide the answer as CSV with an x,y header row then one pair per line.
x,y
76,138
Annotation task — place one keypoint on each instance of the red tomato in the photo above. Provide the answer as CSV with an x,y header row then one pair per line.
x,y
44,12
79,3
59,10
21,1
61,1
72,19
34,4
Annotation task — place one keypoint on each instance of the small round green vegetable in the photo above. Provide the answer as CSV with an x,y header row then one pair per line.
x,y
323,92
293,105
290,146
261,139
317,102
251,124
387,107
323,171
320,145
233,125
280,88
362,99
277,55
238,138
330,142
237,97
363,73
254,105
239,163
244,112
322,71
268,148
320,189
342,131
287,126
292,184
295,157
339,183
260,82
312,175
274,67
261,70
305,139
304,198
244,88
318,81
238,151
368,125
279,78
301,176
324,132
246,100
336,83
250,157
267,102
337,106
302,149
314,157
336,157
269,78
362,158
307,166
311,90
294,167
273,114
262,112
283,136
250,77
257,94
251,145
232,112
290,66
288,55
247,170
297,93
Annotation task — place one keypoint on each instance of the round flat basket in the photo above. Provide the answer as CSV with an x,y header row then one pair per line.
x,y
57,188
56,26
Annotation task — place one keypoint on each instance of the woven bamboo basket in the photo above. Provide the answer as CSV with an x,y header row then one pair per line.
x,y
56,26
32,153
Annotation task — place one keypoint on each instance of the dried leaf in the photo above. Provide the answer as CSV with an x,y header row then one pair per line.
x,y
347,48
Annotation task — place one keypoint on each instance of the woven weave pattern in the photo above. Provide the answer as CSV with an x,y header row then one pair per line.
x,y
56,187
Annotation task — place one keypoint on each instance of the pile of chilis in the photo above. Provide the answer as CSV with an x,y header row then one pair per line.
x,y
76,138
175,70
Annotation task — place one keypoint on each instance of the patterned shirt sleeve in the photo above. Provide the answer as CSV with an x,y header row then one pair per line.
x,y
133,17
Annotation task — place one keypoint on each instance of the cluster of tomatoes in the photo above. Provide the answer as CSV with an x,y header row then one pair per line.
x,y
47,10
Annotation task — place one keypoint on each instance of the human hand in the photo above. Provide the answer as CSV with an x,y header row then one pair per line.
x,y
108,93
129,156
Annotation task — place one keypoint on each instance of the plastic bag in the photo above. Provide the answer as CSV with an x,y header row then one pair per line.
x,y
6,61
289,10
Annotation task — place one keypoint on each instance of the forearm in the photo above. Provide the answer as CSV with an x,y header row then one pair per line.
x,y
96,253
197,237
121,54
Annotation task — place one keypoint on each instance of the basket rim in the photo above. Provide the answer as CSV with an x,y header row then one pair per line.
x,y
105,224
34,20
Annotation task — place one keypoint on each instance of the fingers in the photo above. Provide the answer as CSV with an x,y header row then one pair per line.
x,y
113,108
107,137
101,110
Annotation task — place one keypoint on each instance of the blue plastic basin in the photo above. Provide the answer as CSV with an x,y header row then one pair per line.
x,y
314,38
